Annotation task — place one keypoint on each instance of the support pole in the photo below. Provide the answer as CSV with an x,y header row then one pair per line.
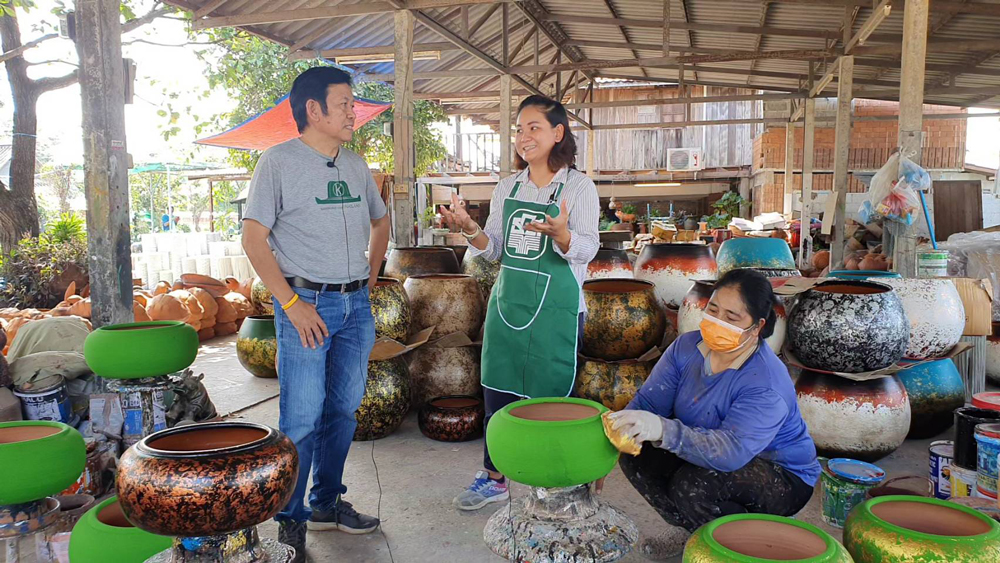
x,y
591,135
402,129
845,88
805,241
506,155
211,206
102,91
789,162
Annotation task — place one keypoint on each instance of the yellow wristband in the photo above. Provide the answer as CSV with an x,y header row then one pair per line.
x,y
290,302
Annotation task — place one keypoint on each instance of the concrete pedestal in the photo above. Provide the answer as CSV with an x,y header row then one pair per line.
x,y
244,546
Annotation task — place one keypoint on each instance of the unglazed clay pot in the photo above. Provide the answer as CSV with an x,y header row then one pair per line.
x,y
935,389
757,253
993,354
437,372
907,528
848,326
103,534
857,420
40,458
623,319
207,479
448,302
139,350
936,314
452,419
612,384
762,538
413,261
672,268
609,263
485,272
551,442
391,309
692,311
386,400
260,297
257,346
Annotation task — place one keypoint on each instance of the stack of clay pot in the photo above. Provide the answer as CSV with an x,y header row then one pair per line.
x,y
672,267
610,263
624,321
692,311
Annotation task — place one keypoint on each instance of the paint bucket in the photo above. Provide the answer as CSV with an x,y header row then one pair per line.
x,y
989,400
846,483
988,449
942,452
144,411
932,264
48,402
963,481
966,419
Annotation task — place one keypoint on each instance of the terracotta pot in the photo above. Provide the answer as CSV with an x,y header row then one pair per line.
x,y
257,346
103,535
692,311
612,384
207,479
623,321
438,372
391,309
260,296
756,253
412,261
908,528
485,272
610,263
139,350
673,267
386,400
935,390
41,458
448,302
761,538
848,326
935,312
857,420
457,418
993,354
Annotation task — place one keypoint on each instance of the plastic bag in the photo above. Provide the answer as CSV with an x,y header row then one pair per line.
x,y
893,192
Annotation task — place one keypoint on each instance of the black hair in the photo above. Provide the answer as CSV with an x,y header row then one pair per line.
x,y
757,294
564,152
312,84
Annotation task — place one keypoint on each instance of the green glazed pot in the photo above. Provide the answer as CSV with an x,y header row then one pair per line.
x,y
40,458
103,534
257,346
908,529
138,350
551,453
762,538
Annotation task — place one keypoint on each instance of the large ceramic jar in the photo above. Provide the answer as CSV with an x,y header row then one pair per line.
x,y
404,262
935,389
609,263
623,319
936,314
552,442
207,479
391,309
613,384
452,419
459,250
257,346
437,372
260,297
864,420
848,326
449,302
993,354
485,271
40,458
692,311
914,529
386,400
103,535
139,350
672,268
762,538
770,254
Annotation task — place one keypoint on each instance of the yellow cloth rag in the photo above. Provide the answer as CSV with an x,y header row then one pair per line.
x,y
624,444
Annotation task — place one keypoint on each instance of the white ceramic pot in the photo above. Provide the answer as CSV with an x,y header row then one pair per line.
x,y
936,314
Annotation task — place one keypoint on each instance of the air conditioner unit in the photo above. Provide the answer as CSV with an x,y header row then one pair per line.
x,y
679,160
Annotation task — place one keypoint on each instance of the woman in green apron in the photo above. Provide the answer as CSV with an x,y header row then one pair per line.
x,y
543,227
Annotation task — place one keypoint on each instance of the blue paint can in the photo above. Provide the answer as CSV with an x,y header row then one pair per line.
x,y
942,452
48,402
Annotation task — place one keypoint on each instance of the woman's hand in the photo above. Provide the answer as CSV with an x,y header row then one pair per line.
x,y
555,227
642,426
457,216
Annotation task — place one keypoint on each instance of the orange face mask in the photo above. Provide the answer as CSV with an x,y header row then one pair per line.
x,y
721,336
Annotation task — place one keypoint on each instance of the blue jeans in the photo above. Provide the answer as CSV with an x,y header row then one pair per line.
x,y
320,391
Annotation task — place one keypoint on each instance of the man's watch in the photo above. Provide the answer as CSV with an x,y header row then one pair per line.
x,y
473,235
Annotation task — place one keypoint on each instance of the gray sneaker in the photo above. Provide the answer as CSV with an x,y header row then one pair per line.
x,y
481,492
665,545
293,534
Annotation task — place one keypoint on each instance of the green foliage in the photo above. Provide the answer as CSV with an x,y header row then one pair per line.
x,y
727,207
70,227
628,209
37,270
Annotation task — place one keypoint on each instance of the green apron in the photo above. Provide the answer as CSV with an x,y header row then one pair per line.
x,y
529,341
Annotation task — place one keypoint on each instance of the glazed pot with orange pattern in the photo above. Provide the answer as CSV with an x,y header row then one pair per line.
x,y
673,268
623,319
207,479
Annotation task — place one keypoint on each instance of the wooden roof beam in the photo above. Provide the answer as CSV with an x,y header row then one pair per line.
x,y
614,14
678,24
946,7
379,50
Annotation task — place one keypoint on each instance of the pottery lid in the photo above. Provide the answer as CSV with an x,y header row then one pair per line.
x,y
856,471
989,400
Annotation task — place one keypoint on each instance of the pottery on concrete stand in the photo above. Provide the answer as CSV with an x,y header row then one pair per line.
x,y
673,267
624,319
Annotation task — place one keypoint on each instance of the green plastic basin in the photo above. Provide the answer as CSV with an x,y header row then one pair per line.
x,y
104,535
40,458
138,350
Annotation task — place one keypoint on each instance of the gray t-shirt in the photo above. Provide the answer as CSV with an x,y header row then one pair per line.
x,y
320,217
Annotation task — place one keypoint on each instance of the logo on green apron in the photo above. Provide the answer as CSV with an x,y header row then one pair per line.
x,y
338,193
522,243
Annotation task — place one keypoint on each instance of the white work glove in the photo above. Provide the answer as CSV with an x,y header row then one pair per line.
x,y
642,426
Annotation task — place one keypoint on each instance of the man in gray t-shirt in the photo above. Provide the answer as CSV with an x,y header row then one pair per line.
x,y
312,212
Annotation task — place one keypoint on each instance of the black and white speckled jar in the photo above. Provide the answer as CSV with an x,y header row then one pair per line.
x,y
848,326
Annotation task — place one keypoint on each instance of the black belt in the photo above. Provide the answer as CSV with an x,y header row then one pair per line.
x,y
338,287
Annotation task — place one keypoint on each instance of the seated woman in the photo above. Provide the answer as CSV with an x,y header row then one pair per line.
x,y
724,429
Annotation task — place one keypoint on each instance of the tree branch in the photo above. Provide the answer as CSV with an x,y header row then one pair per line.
x,y
168,44
53,61
43,85
135,23
20,50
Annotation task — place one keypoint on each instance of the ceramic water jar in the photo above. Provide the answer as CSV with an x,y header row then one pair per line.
x,y
404,262
696,300
613,384
437,372
934,389
623,319
391,309
908,529
104,535
762,538
673,267
458,418
257,346
485,271
755,252
858,420
449,302
40,458
936,314
848,326
993,354
260,297
139,350
863,274
386,400
610,263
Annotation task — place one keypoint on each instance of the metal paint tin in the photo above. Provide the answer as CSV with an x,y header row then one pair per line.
x,y
932,264
963,481
987,452
50,402
846,482
942,452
